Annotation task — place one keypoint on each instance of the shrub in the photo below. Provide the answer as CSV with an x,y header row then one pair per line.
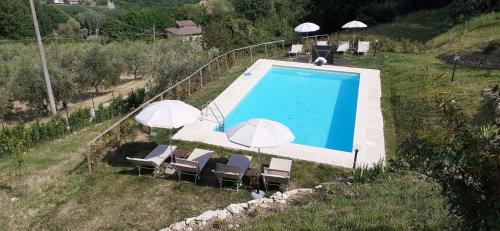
x,y
464,159
367,173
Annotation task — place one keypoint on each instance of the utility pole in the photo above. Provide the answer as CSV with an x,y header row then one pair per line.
x,y
42,58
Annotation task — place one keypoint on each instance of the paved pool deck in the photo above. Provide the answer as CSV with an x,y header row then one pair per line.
x,y
369,127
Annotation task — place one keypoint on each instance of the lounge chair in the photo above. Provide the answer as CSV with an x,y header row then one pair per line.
x,y
343,47
154,159
233,171
363,47
194,164
278,173
296,49
322,43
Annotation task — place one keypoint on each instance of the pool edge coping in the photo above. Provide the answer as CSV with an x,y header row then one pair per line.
x,y
368,133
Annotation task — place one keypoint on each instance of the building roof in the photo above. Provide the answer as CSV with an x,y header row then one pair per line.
x,y
185,30
183,23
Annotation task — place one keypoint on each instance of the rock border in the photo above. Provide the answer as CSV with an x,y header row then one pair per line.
x,y
235,209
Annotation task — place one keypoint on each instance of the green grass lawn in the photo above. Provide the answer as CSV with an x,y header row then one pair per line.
x,y
420,26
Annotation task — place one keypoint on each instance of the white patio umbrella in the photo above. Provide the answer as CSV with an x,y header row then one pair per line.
x,y
354,25
168,114
260,133
307,27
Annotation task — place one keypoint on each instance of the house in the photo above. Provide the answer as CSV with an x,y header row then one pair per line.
x,y
58,1
185,29
72,2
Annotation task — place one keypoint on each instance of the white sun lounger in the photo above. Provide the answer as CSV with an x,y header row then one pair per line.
x,y
154,159
296,49
343,47
363,47
194,164
278,173
322,43
233,171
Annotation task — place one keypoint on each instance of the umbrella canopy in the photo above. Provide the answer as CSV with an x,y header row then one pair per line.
x,y
168,114
260,133
306,27
354,24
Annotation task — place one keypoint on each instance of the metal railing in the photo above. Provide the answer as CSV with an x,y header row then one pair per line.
x,y
111,137
219,118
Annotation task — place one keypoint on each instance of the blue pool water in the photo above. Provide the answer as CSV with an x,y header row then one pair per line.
x,y
318,106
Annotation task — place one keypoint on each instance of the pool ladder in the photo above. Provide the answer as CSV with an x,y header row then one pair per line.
x,y
211,110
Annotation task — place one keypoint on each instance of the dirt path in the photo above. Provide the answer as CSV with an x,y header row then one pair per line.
x,y
122,89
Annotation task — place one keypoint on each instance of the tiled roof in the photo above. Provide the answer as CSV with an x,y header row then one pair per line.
x,y
185,30
183,23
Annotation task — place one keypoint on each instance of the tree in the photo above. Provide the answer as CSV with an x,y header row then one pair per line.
x,y
28,86
91,20
254,9
136,59
15,20
98,69
465,160
63,66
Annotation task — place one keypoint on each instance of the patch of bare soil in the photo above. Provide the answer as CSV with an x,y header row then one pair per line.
x,y
487,57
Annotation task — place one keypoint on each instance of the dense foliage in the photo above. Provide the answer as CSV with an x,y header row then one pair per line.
x,y
444,144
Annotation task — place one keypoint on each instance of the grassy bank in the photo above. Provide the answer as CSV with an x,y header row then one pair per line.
x,y
397,202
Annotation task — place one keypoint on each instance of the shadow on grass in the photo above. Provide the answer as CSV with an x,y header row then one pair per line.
x,y
117,158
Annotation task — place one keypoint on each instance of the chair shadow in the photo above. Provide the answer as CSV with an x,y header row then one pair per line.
x,y
117,158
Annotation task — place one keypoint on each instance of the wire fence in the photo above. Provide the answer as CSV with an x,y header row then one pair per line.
x,y
111,138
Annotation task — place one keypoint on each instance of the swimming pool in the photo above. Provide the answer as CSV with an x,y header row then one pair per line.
x,y
318,106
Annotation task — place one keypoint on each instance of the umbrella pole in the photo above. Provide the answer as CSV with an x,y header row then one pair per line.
x,y
258,168
171,148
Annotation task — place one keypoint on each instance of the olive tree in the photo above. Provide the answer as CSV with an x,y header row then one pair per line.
x,y
136,58
98,68
28,85
175,59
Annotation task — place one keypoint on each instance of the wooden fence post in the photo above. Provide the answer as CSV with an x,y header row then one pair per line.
x,y
234,56
201,78
225,59
265,47
251,56
189,86
118,134
283,45
218,66
210,69
177,90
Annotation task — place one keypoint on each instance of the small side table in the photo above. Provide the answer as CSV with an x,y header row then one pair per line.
x,y
180,153
252,176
